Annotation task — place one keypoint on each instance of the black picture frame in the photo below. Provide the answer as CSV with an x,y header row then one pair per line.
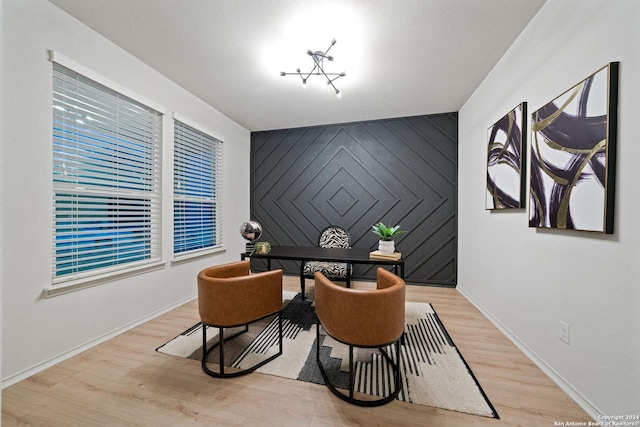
x,y
573,156
506,160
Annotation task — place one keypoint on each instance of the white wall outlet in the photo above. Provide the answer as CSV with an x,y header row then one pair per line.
x,y
565,332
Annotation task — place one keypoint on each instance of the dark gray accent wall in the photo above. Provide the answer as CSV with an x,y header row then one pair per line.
x,y
401,170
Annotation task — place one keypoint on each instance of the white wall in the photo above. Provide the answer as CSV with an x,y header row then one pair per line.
x,y
527,280
1,204
37,332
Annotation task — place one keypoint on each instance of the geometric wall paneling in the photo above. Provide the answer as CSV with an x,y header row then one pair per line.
x,y
573,156
354,175
506,184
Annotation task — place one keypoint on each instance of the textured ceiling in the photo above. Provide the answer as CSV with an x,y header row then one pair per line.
x,y
402,57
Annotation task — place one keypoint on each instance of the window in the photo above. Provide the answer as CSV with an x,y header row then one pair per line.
x,y
197,222
106,179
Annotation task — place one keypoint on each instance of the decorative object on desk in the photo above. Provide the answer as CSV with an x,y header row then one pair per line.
x,y
261,248
318,69
437,375
506,160
386,245
395,256
250,230
573,153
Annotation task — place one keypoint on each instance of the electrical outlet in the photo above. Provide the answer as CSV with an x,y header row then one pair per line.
x,y
565,332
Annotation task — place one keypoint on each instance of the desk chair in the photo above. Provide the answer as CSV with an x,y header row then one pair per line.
x,y
331,237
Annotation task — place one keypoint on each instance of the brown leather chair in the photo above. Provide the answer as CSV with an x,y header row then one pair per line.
x,y
229,296
365,319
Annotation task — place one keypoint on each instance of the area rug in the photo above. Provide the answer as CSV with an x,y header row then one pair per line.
x,y
434,372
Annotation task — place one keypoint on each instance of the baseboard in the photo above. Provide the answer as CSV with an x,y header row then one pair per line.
x,y
26,373
573,393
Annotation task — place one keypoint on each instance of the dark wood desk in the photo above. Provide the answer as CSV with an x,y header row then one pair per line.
x,y
314,253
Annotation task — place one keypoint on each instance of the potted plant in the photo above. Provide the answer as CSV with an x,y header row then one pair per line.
x,y
386,245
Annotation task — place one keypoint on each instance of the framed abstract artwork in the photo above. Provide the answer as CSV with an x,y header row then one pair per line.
x,y
506,160
573,154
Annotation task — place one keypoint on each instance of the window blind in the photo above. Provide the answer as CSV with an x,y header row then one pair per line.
x,y
106,179
197,219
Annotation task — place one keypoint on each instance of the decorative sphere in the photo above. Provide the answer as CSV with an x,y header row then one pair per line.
x,y
251,230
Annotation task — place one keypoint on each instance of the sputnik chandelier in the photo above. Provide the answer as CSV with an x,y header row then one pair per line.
x,y
318,69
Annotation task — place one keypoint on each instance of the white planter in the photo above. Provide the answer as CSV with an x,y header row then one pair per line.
x,y
386,246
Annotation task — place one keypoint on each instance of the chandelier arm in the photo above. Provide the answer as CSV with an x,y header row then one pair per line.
x,y
310,72
326,76
329,81
333,86
329,48
321,74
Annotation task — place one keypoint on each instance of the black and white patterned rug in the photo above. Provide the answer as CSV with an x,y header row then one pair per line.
x,y
434,372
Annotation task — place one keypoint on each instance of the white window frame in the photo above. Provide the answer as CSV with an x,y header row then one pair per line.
x,y
201,187
147,191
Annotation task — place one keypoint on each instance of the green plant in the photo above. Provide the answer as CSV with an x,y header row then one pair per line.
x,y
261,248
386,233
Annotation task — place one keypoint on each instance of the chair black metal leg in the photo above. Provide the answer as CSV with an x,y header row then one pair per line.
x,y
351,373
222,339
280,333
204,347
399,370
221,334
318,342
302,279
395,367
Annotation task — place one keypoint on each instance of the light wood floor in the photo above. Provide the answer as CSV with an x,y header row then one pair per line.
x,y
125,382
